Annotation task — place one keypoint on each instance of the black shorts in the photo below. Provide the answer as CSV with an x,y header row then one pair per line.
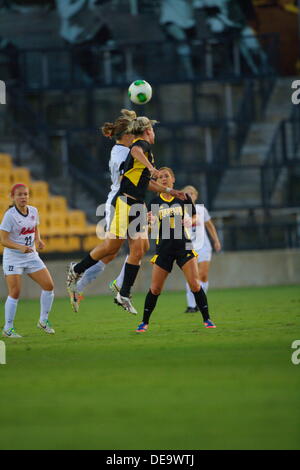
x,y
128,218
165,261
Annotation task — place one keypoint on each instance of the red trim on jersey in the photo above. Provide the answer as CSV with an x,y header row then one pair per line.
x,y
26,231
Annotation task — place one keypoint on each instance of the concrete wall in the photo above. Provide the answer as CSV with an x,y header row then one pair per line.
x,y
235,269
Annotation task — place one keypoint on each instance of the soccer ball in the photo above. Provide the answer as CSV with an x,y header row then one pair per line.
x,y
140,92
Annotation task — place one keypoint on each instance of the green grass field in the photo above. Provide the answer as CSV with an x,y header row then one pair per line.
x,y
96,384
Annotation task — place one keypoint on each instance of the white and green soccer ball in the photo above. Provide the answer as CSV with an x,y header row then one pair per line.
x,y
140,92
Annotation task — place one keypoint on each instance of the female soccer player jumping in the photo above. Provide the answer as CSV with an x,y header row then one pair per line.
x,y
136,179
119,152
18,233
172,245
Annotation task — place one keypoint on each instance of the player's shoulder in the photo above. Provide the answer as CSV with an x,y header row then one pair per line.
x,y
32,209
140,143
119,151
10,211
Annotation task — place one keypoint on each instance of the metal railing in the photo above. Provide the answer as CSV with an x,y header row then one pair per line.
x,y
284,153
156,61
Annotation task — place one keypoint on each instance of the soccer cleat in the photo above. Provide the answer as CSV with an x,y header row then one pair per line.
x,y
191,310
72,277
114,287
209,324
125,303
46,326
75,299
10,333
142,328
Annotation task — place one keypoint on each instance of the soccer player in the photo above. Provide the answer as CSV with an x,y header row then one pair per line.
x,y
203,249
136,179
173,216
119,152
19,234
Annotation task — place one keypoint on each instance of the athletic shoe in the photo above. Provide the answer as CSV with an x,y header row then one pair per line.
x,y
191,310
46,326
142,328
125,303
75,299
10,333
209,324
72,277
114,287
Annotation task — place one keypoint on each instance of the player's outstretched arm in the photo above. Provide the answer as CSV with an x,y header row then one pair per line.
x,y
159,188
138,154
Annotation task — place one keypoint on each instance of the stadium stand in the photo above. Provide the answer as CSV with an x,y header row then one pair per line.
x,y
229,133
65,230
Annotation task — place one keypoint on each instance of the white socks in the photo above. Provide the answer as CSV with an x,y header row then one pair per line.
x,y
204,286
190,296
10,312
47,297
120,278
90,275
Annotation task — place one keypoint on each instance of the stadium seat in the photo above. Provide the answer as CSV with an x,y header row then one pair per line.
x,y
62,244
6,176
57,204
90,241
41,205
57,224
5,161
3,207
5,193
39,190
20,175
76,222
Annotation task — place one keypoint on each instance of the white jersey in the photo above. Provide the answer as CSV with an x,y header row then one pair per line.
x,y
197,244
118,156
22,231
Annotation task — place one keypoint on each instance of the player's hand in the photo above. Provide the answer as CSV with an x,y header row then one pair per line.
x,y
26,249
187,221
180,194
151,218
217,245
40,245
154,173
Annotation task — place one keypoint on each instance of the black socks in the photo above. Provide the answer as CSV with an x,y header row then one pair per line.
x,y
150,303
131,271
201,301
84,264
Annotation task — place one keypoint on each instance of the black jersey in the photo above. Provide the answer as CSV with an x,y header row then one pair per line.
x,y
172,235
136,176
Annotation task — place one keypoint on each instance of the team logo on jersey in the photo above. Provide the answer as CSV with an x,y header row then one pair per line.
x,y
26,231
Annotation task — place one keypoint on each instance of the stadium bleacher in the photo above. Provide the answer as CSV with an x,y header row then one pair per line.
x,y
64,229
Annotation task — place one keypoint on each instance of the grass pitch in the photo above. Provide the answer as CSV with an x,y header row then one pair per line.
x,y
96,384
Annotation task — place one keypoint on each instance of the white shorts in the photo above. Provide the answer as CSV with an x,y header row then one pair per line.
x,y
203,255
22,267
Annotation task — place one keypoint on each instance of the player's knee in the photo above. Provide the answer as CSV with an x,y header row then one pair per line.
x,y
156,290
204,277
14,293
48,286
194,286
137,255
